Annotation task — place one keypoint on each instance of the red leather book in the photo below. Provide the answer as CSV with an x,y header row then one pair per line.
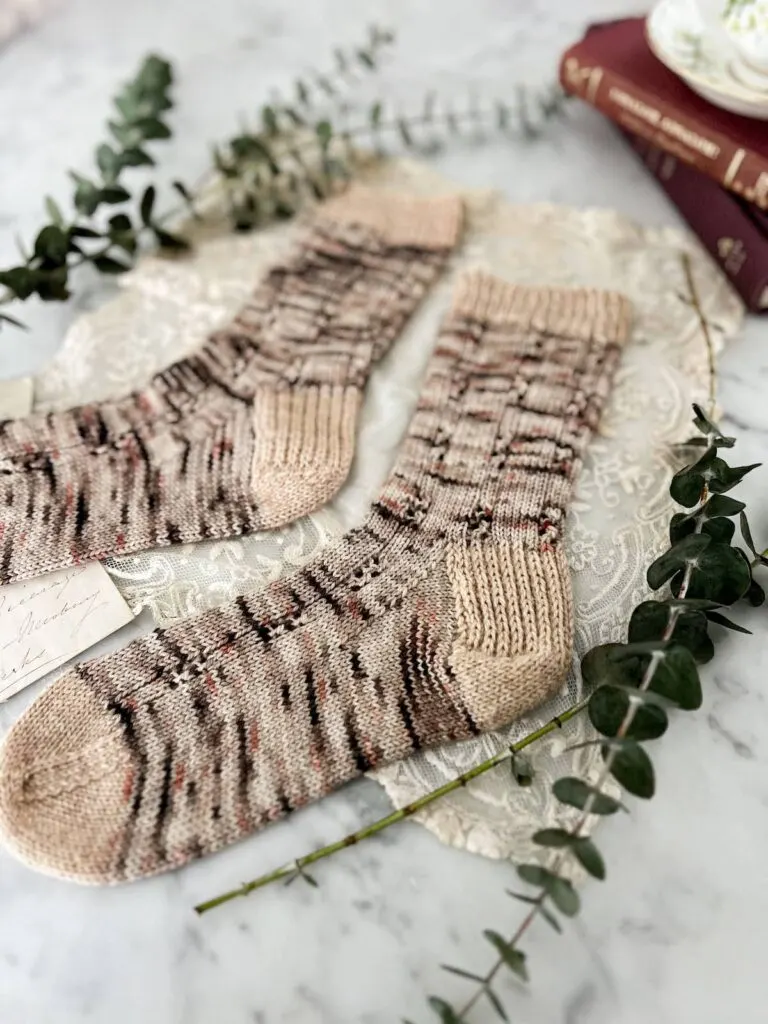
x,y
728,227
613,68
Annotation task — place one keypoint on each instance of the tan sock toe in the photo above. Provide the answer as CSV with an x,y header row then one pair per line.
x,y
63,771
305,443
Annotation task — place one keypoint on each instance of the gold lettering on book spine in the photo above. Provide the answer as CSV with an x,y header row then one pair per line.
x,y
582,79
733,167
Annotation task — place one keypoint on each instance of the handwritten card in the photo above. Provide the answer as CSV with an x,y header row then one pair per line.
x,y
46,621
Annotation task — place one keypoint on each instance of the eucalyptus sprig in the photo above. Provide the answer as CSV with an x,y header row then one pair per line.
x,y
634,684
66,242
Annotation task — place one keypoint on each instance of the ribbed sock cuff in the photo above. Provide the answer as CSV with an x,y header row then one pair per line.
x,y
585,313
425,223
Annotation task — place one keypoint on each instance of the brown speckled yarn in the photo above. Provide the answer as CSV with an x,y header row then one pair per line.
x,y
446,613
252,431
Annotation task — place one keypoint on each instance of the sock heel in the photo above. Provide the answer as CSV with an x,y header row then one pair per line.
x,y
514,635
303,449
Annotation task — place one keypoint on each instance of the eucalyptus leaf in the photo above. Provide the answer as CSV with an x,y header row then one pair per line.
x,y
553,837
147,204
721,574
723,620
589,856
675,675
755,594
52,244
746,532
649,621
54,212
444,1011
632,768
688,483
564,896
109,265
685,552
598,668
575,792
513,958
722,477
608,707
8,319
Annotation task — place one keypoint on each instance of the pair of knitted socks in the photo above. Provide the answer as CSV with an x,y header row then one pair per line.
x,y
448,612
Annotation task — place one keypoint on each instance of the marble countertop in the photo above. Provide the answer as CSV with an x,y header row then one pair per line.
x,y
677,934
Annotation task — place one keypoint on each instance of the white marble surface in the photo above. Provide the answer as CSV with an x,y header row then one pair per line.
x,y
678,932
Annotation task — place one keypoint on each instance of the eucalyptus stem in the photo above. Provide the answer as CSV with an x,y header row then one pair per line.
x,y
695,302
296,867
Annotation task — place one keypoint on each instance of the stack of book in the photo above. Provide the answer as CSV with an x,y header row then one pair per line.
x,y
712,164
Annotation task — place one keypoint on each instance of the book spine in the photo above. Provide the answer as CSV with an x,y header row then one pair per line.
x,y
721,222
642,113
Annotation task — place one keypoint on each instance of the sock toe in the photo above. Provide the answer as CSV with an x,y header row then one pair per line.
x,y
63,770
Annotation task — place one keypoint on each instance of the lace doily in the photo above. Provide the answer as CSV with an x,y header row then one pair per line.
x,y
618,519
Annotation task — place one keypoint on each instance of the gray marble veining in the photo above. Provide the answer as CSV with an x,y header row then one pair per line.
x,y
677,934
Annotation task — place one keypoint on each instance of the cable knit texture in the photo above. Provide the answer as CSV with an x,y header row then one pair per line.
x,y
446,613
255,429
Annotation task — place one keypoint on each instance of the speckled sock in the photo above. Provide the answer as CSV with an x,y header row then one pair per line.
x,y
446,613
251,432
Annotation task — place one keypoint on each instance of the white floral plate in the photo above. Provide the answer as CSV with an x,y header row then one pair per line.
x,y
678,35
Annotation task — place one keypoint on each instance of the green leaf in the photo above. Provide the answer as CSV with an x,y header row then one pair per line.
x,y
120,222
152,128
598,668
108,265
649,621
723,620
147,204
632,768
461,973
553,837
513,958
721,505
495,1002
590,857
78,231
135,156
366,59
564,896
8,319
746,533
608,707
87,196
20,281
52,244
113,194
269,120
183,191
679,555
722,477
721,574
688,483
108,162
52,284
703,423
374,116
560,891
444,1011
534,874
169,241
302,92
54,212
675,676
405,133
755,594
575,792
324,133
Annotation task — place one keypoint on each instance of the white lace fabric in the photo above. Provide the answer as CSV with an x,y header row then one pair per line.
x,y
618,519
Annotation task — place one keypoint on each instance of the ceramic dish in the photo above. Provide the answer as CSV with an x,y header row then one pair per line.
x,y
678,35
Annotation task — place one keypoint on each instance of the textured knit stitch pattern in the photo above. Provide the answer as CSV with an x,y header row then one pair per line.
x,y
255,429
446,613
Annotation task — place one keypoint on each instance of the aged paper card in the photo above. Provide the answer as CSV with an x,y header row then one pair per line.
x,y
46,621
16,398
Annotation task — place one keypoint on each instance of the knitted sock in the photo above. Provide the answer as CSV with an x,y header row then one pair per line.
x,y
447,612
255,429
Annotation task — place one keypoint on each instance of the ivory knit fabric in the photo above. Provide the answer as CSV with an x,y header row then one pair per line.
x,y
446,613
255,429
